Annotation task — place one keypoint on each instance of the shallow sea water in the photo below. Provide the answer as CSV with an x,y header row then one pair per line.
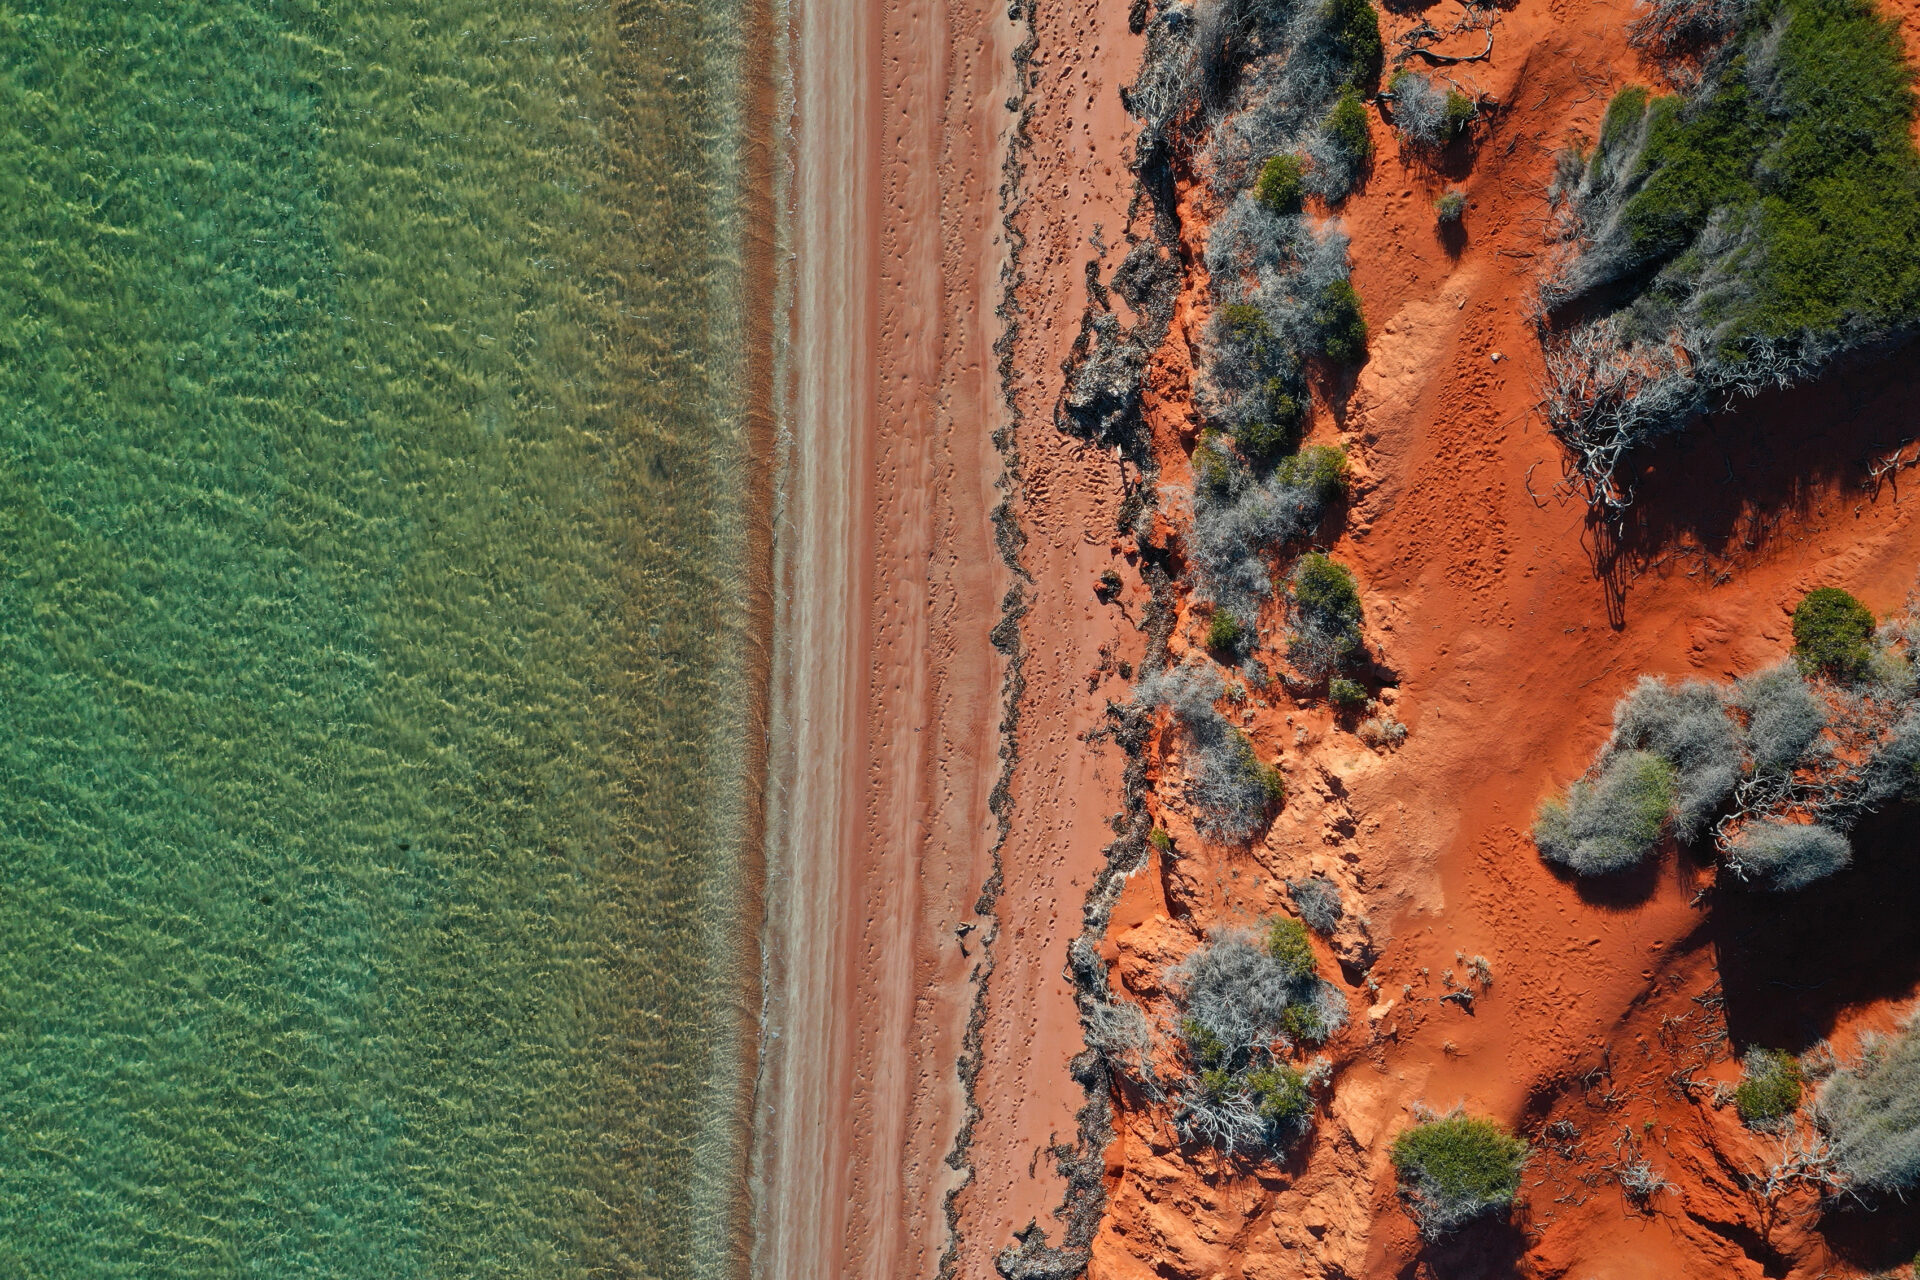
x,y
370,638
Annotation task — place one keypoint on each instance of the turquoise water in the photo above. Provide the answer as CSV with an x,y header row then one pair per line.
x,y
370,638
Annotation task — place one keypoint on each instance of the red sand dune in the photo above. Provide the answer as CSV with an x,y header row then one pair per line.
x,y
1507,633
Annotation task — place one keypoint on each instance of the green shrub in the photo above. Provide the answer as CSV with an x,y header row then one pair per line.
x,y
1345,694
1275,433
1744,235
1340,323
1279,1093
1160,839
1327,615
1224,632
1239,997
1355,28
1302,1023
1211,469
1460,112
1287,942
1623,116
1830,634
1348,126
1455,1169
1281,183
1324,588
1769,1091
1209,1051
1322,469
1822,154
1451,206
1611,822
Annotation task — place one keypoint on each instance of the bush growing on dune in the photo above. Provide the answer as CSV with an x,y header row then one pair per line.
x,y
1270,275
1687,726
1342,147
1871,1116
1673,28
1346,695
1327,615
1784,718
1240,517
1784,856
1737,237
1426,115
1451,206
1232,791
1224,632
1118,1031
1340,324
1320,470
1318,901
1282,184
1612,821
1456,1168
1778,767
1289,946
1245,1003
1830,633
1769,1089
1354,26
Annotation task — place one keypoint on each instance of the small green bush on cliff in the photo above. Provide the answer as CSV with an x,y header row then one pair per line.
x,y
1830,634
1456,1168
1769,1090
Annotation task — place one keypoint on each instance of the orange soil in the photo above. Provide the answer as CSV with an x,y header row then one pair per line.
x,y
1509,644
1074,183
1484,604
887,687
888,692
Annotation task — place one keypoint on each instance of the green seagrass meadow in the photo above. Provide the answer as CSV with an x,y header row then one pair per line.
x,y
369,658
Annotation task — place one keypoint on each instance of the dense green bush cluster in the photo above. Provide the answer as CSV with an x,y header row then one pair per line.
x,y
1769,1089
1830,634
1457,1168
1320,470
1741,235
1346,694
1327,615
1282,184
1340,323
1778,766
1224,632
1355,28
1348,127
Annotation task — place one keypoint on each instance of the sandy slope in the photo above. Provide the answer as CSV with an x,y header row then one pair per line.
x,y
1508,641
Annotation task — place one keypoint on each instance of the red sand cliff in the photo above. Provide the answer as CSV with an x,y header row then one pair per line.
x,y
1507,637
1510,644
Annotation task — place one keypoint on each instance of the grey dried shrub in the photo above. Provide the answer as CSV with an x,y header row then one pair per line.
x,y
1871,1115
1232,792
